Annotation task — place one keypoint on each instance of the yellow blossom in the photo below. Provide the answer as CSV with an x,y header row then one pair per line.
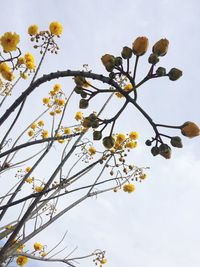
x,y
31,133
45,134
9,227
20,248
9,41
140,46
133,135
52,113
131,144
103,261
58,111
120,138
28,169
29,180
43,254
38,189
38,246
57,87
29,61
21,60
128,87
78,116
6,72
129,188
67,130
46,100
33,126
23,75
33,29
92,150
56,28
21,260
61,102
61,140
41,123
143,176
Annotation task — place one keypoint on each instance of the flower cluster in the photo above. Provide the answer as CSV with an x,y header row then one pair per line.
x,y
55,101
6,72
46,37
36,128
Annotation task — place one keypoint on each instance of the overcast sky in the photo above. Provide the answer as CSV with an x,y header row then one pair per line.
x,y
158,225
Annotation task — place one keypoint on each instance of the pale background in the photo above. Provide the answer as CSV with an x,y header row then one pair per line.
x,y
158,225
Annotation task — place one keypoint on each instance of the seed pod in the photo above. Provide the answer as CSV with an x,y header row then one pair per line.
x,y
176,142
108,142
155,151
83,103
153,59
97,135
174,74
126,52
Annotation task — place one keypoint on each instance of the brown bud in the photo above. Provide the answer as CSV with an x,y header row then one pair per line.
x,y
176,142
140,46
107,59
126,52
174,74
160,48
190,129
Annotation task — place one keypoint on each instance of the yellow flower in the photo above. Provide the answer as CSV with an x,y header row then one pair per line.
x,y
33,29
28,169
21,260
45,134
120,138
43,254
31,133
9,41
190,129
23,75
92,150
67,131
38,189
41,123
128,87
61,140
140,46
52,113
129,188
33,126
78,116
103,261
61,102
56,28
46,100
21,60
57,87
21,247
38,246
29,180
6,72
143,176
160,48
58,111
133,135
30,62
131,144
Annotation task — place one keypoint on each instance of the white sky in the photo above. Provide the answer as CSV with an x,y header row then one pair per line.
x,y
158,225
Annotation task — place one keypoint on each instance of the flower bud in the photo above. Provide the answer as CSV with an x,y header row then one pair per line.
x,y
153,59
161,71
126,52
108,142
165,151
140,46
83,94
190,129
155,151
97,135
160,48
176,142
174,74
110,66
148,142
118,61
107,59
94,123
83,103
